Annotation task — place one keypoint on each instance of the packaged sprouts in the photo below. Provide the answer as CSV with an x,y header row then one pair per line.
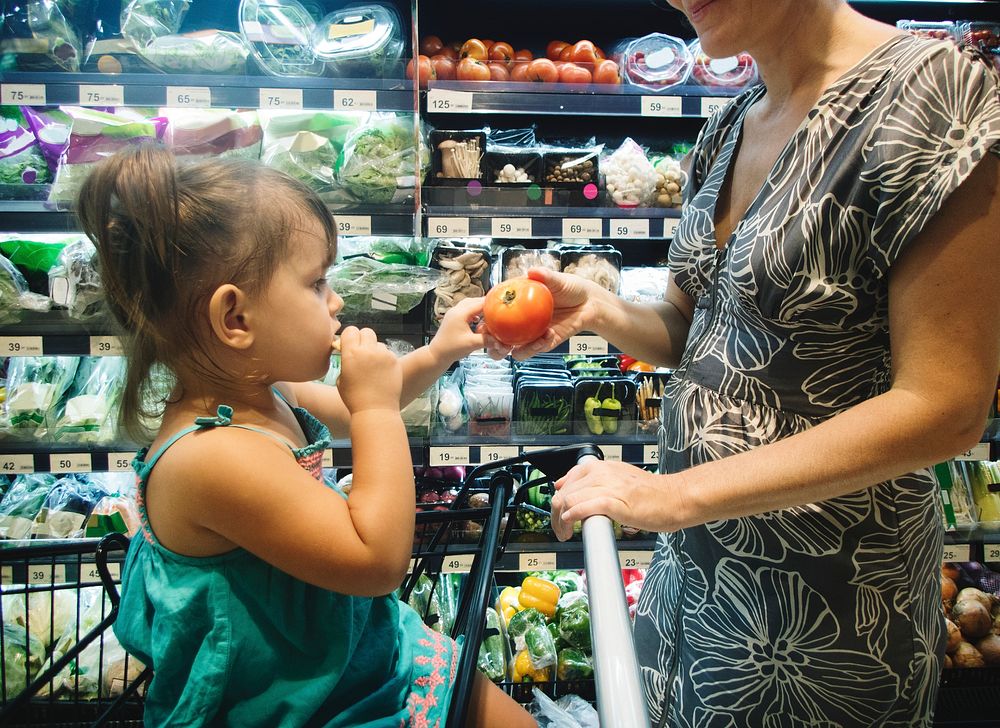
x,y
630,178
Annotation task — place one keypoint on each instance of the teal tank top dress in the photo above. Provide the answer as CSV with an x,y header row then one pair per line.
x,y
234,641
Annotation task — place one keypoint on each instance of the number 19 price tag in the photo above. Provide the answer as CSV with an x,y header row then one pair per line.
x,y
497,453
449,456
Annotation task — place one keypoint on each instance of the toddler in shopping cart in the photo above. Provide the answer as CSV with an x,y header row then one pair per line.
x,y
259,595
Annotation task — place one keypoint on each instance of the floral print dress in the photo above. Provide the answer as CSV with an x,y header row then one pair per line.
x,y
826,614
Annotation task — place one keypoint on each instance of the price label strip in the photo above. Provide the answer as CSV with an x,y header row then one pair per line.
x,y
327,461
496,453
587,345
449,456
23,94
612,453
511,227
106,346
451,227
712,104
979,452
354,224
651,454
21,346
111,95
280,98
355,100
46,574
630,229
15,464
449,102
457,564
90,572
991,553
536,562
635,559
661,106
6,576
582,227
77,462
191,97
670,225
120,462
957,552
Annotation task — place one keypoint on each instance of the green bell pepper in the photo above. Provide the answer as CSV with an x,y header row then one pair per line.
x,y
610,413
590,407
573,664
574,625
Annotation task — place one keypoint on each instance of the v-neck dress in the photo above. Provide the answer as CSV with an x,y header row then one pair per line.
x,y
826,614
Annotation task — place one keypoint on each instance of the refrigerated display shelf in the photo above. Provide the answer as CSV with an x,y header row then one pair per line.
x,y
492,97
640,223
204,91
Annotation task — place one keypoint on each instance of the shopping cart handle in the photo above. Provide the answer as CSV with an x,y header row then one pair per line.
x,y
620,699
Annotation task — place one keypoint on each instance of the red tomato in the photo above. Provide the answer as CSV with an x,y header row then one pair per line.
x,y
554,48
584,52
523,55
518,311
498,71
572,73
431,45
489,44
427,72
450,52
470,69
502,52
474,48
519,72
566,54
444,66
605,71
542,70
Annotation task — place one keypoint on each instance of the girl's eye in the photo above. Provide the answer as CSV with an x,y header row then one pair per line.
x,y
320,284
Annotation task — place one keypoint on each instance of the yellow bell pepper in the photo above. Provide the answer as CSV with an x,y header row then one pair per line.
x,y
541,594
524,671
508,604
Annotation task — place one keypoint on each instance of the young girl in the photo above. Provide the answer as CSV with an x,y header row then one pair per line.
x,y
259,595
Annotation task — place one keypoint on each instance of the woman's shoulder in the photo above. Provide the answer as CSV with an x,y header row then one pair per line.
x,y
933,67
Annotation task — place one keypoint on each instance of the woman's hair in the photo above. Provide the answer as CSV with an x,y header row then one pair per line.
x,y
168,234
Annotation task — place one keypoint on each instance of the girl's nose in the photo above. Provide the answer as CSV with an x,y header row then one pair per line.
x,y
335,302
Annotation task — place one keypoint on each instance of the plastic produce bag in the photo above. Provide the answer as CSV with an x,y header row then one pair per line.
x,y
368,285
116,511
22,163
630,177
75,283
66,509
89,413
424,601
451,403
380,163
279,34
36,37
362,40
21,504
212,133
493,658
45,614
570,711
13,289
655,62
34,386
51,127
22,659
143,21
204,51
404,250
34,256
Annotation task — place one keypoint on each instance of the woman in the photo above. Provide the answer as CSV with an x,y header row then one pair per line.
x,y
833,314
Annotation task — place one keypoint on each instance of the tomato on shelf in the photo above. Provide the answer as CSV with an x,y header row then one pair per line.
x,y
606,72
554,49
472,69
502,52
542,70
426,70
445,67
431,45
572,73
474,48
518,310
498,71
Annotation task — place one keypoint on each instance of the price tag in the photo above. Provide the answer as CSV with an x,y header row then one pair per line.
x,y
72,462
536,562
12,464
635,559
661,106
448,227
198,97
496,453
711,104
20,345
449,102
23,94
534,448
587,345
511,227
327,461
651,454
6,575
46,573
106,346
281,98
355,100
612,453
670,226
102,95
457,564
582,227
449,456
979,452
354,224
991,552
120,462
90,572
630,228
957,552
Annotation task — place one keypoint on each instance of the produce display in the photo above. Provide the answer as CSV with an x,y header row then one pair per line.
x,y
984,36
973,616
360,41
467,274
969,495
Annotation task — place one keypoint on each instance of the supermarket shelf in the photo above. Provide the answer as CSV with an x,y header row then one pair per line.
x,y
187,90
25,216
639,449
550,222
545,555
490,97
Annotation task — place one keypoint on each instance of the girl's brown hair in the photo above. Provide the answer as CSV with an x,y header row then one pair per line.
x,y
167,235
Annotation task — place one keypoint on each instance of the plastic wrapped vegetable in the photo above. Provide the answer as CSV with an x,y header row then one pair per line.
x,y
424,601
34,256
367,285
380,163
541,647
508,603
89,412
21,504
540,594
36,37
22,659
522,621
211,133
34,386
66,509
573,664
279,33
143,21
12,288
204,51
630,177
360,41
524,671
45,614
74,281
492,660
21,159
574,624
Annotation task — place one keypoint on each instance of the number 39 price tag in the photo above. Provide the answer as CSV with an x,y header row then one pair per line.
x,y
587,345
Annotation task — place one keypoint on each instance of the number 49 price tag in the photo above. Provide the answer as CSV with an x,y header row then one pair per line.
x,y
457,564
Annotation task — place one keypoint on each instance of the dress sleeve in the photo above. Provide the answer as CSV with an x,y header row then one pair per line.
x,y
942,121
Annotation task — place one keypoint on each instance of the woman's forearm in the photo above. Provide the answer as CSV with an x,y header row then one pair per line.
x,y
653,333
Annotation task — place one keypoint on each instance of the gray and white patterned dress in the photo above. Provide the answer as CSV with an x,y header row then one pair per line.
x,y
826,614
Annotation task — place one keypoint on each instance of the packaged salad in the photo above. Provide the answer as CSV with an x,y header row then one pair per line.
x,y
362,40
279,34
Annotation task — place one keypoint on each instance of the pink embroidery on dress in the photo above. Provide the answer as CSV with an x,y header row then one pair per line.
x,y
313,464
419,705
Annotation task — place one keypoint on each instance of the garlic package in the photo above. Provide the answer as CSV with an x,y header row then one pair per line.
x,y
669,182
629,177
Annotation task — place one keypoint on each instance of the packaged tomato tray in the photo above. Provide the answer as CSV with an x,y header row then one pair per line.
x,y
734,72
655,62
938,30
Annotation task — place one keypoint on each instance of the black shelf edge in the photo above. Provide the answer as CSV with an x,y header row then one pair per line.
x,y
639,223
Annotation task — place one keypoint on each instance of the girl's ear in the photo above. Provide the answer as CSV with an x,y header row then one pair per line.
x,y
227,315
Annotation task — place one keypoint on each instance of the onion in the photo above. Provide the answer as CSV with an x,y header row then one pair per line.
x,y
970,593
948,589
951,571
967,656
954,637
452,472
972,618
947,662
989,648
432,473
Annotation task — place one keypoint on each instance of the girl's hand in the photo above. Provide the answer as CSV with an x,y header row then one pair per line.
x,y
461,333
627,494
577,302
370,374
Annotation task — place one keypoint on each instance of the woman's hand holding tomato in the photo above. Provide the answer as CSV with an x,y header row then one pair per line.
x,y
518,311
